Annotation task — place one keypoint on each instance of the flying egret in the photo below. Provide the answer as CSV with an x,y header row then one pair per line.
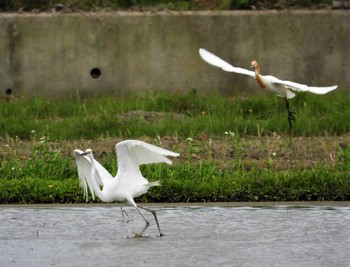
x,y
271,83
129,182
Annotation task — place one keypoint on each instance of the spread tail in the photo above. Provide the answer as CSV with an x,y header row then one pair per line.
x,y
156,183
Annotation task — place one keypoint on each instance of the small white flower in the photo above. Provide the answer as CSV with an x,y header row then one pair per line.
x,y
32,131
189,139
232,134
157,139
274,154
13,168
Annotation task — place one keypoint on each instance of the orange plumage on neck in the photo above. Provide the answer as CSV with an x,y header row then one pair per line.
x,y
255,66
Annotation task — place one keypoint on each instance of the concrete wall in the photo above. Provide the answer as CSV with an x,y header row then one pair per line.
x,y
53,54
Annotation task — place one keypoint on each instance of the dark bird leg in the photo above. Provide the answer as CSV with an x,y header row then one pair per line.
x,y
124,213
146,226
147,223
291,116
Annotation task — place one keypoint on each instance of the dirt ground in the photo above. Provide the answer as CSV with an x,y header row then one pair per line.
x,y
226,151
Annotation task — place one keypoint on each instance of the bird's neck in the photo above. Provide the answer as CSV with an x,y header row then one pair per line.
x,y
259,78
92,181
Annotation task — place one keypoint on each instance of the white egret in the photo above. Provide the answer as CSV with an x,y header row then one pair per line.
x,y
271,83
129,182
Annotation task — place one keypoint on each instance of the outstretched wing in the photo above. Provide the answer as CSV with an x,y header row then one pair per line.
x,y
305,88
133,153
84,172
218,62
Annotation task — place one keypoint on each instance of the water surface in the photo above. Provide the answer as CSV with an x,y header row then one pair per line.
x,y
225,235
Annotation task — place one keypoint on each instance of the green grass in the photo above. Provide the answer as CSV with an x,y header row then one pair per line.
x,y
257,185
184,183
182,115
36,168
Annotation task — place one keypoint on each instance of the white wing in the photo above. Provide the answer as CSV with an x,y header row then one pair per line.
x,y
218,62
131,154
305,88
84,173
321,90
135,153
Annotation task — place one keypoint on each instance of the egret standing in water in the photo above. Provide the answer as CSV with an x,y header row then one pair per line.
x,y
271,83
129,182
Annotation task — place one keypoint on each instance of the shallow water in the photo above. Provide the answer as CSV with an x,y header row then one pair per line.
x,y
88,235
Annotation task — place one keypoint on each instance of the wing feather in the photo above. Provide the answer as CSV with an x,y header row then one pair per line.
x,y
322,90
133,153
138,153
304,88
218,62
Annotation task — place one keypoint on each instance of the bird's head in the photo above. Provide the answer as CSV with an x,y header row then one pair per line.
x,y
87,152
253,64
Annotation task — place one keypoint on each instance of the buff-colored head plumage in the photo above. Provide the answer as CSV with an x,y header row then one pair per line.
x,y
254,65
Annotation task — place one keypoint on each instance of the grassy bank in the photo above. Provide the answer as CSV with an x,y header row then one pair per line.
x,y
175,114
232,149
